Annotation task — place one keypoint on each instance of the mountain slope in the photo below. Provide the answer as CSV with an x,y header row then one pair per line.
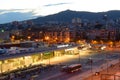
x,y
68,15
15,16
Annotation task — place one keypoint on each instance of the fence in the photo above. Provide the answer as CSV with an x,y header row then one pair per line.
x,y
110,77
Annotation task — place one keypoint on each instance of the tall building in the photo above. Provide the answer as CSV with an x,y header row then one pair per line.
x,y
5,35
76,20
57,34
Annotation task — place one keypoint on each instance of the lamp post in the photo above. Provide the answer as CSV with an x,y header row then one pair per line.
x,y
13,38
119,62
103,48
49,59
91,61
29,37
79,55
1,67
107,63
47,38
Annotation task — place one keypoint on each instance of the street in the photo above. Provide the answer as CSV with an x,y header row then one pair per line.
x,y
98,59
101,60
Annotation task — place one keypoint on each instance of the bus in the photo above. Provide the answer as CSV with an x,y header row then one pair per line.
x,y
71,68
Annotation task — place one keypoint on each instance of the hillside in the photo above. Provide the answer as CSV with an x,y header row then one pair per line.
x,y
68,15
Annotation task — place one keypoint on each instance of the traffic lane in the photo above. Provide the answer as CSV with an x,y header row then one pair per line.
x,y
98,58
83,60
48,73
39,73
85,68
66,76
96,62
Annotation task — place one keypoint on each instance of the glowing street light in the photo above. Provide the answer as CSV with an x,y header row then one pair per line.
x,y
94,42
12,38
47,38
67,40
29,37
111,43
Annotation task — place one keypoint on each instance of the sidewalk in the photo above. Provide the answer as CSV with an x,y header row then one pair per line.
x,y
86,75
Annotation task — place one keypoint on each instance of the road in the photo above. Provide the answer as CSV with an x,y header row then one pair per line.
x,y
98,58
54,73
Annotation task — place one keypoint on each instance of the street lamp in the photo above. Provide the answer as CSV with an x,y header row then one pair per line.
x,y
91,61
119,62
79,55
49,59
107,62
29,37
103,48
12,38
47,38
79,51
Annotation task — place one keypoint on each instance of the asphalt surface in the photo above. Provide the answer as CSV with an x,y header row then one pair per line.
x,y
53,73
98,59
